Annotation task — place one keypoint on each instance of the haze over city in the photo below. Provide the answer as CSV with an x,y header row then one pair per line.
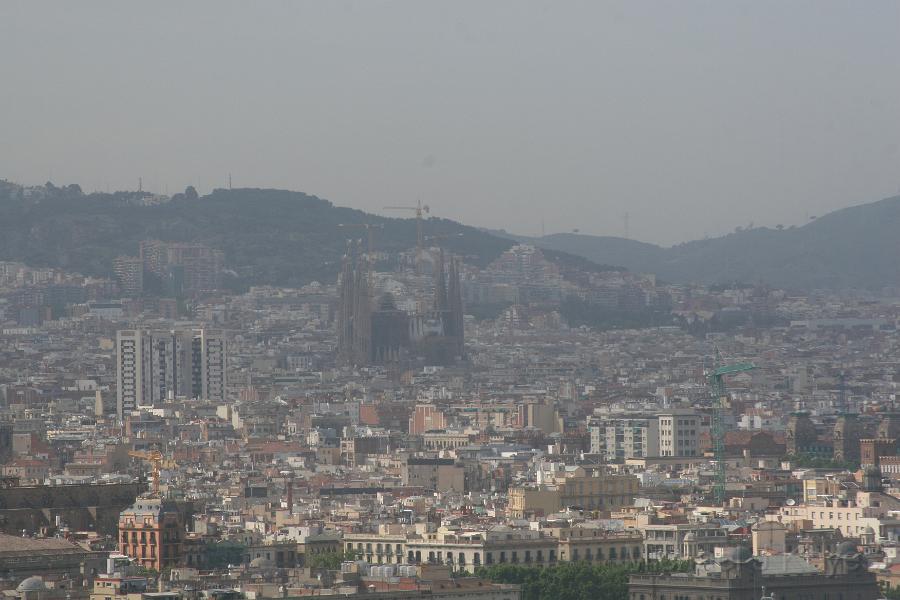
x,y
693,118
470,300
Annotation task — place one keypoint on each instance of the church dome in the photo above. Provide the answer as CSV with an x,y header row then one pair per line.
x,y
32,584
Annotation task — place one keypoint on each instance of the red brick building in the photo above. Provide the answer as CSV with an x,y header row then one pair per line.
x,y
151,531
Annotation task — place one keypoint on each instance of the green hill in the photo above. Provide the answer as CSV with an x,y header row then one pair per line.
x,y
855,247
274,237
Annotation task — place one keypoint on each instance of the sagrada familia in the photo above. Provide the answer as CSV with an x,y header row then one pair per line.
x,y
374,332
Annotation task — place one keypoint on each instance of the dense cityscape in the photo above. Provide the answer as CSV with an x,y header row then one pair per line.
x,y
421,426
467,300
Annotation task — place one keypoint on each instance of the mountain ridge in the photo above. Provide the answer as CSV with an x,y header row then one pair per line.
x,y
283,237
269,236
852,247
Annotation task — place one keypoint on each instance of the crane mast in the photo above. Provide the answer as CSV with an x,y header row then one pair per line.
x,y
157,462
419,209
719,396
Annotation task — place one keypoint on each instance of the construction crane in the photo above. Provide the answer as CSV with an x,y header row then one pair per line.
x,y
157,462
419,209
369,227
718,392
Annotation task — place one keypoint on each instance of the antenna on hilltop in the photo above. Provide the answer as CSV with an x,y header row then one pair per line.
x,y
229,181
140,184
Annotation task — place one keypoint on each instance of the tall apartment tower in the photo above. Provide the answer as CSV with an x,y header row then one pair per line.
x,y
132,348
208,362
153,366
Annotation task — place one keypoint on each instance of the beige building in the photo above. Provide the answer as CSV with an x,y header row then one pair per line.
x,y
386,547
574,488
597,545
470,549
541,416
851,517
682,540
537,501
439,474
769,537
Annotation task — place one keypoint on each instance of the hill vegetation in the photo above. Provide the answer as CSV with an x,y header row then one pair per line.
x,y
289,238
274,237
854,247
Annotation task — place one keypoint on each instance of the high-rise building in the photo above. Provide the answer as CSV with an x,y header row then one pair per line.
x,y
208,364
185,268
153,366
132,346
129,272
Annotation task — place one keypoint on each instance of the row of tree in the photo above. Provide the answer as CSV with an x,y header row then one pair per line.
x,y
577,580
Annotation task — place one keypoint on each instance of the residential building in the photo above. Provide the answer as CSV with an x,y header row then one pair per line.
x,y
679,433
129,272
622,438
151,532
155,366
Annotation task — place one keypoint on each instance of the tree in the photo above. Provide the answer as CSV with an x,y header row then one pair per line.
x,y
221,554
329,561
190,193
577,580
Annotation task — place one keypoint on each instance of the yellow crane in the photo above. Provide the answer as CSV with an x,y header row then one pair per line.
x,y
157,462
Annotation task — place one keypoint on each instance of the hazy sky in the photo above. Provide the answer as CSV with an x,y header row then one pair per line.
x,y
692,117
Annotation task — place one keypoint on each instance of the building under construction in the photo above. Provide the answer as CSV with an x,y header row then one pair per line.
x,y
374,331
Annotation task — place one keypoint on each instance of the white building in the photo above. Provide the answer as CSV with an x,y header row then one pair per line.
x,y
153,366
679,433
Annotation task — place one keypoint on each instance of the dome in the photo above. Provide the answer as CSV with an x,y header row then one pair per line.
x,y
261,562
847,549
738,554
32,584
